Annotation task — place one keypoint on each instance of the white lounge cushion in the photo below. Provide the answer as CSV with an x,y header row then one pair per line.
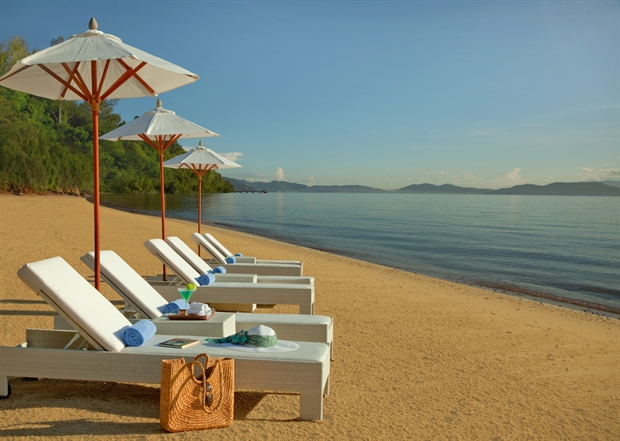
x,y
171,259
126,279
78,299
188,254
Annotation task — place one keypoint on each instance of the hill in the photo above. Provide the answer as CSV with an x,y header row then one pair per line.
x,y
283,186
439,189
555,189
561,189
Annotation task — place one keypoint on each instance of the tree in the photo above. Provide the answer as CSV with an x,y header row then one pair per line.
x,y
46,145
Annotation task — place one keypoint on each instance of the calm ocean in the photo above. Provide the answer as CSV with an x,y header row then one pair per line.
x,y
559,245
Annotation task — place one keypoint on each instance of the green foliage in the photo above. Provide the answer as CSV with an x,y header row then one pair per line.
x,y
46,145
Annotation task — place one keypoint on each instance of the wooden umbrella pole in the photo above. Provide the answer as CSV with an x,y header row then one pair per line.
x,y
199,202
161,145
95,112
163,202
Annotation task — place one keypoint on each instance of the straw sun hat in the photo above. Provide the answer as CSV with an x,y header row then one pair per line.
x,y
259,339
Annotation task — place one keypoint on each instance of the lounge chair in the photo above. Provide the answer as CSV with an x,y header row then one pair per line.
x,y
56,353
142,298
203,267
237,293
226,253
250,265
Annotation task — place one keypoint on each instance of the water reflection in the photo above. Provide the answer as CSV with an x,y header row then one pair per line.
x,y
562,245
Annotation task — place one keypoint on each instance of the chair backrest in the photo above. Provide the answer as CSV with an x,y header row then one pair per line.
x,y
128,283
92,315
188,254
222,249
172,260
209,247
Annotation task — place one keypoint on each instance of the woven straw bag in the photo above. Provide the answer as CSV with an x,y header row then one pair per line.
x,y
188,402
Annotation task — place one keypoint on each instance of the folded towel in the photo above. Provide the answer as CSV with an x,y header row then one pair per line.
x,y
205,279
138,333
237,339
197,308
219,270
198,305
238,254
231,259
173,307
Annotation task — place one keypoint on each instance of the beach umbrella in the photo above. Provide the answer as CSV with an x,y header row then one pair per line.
x,y
160,128
200,160
93,66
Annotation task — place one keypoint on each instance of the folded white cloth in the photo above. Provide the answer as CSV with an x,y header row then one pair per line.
x,y
197,308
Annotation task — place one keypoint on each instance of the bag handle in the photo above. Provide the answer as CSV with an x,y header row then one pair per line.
x,y
203,389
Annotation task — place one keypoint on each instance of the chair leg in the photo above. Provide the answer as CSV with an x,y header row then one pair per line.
x,y
5,388
311,405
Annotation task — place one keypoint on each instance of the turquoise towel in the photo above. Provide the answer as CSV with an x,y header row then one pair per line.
x,y
237,339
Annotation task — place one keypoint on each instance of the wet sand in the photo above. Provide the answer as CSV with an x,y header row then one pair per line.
x,y
415,357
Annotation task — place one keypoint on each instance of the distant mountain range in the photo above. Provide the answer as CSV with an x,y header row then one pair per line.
x,y
608,188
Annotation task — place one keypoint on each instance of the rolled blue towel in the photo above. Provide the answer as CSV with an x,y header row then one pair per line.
x,y
173,307
138,333
239,255
219,270
205,279
231,259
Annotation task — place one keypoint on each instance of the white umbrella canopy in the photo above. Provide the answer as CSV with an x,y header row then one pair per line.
x,y
160,128
156,123
200,157
93,66
200,160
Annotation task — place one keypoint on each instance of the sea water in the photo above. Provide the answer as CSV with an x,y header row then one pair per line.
x,y
566,246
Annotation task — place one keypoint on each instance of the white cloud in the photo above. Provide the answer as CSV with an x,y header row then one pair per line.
x,y
233,156
513,176
280,174
601,174
468,176
611,171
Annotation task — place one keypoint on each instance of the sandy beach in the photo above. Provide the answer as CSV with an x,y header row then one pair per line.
x,y
415,357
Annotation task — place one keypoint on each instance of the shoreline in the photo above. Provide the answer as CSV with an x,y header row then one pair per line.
x,y
567,302
415,357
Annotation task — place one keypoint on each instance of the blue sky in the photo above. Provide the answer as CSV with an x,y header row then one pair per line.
x,y
484,94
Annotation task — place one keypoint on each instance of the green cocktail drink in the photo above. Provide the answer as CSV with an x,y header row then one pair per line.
x,y
186,294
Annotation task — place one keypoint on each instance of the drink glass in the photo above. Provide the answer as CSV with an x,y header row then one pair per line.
x,y
186,294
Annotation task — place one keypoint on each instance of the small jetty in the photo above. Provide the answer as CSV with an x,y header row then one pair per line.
x,y
250,191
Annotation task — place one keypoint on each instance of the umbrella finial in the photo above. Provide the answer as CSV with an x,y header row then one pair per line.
x,y
92,24
159,105
200,144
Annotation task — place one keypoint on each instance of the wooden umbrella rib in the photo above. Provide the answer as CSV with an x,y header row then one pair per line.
x,y
130,72
16,72
93,78
138,77
66,89
160,143
79,81
173,138
103,76
61,81
148,141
